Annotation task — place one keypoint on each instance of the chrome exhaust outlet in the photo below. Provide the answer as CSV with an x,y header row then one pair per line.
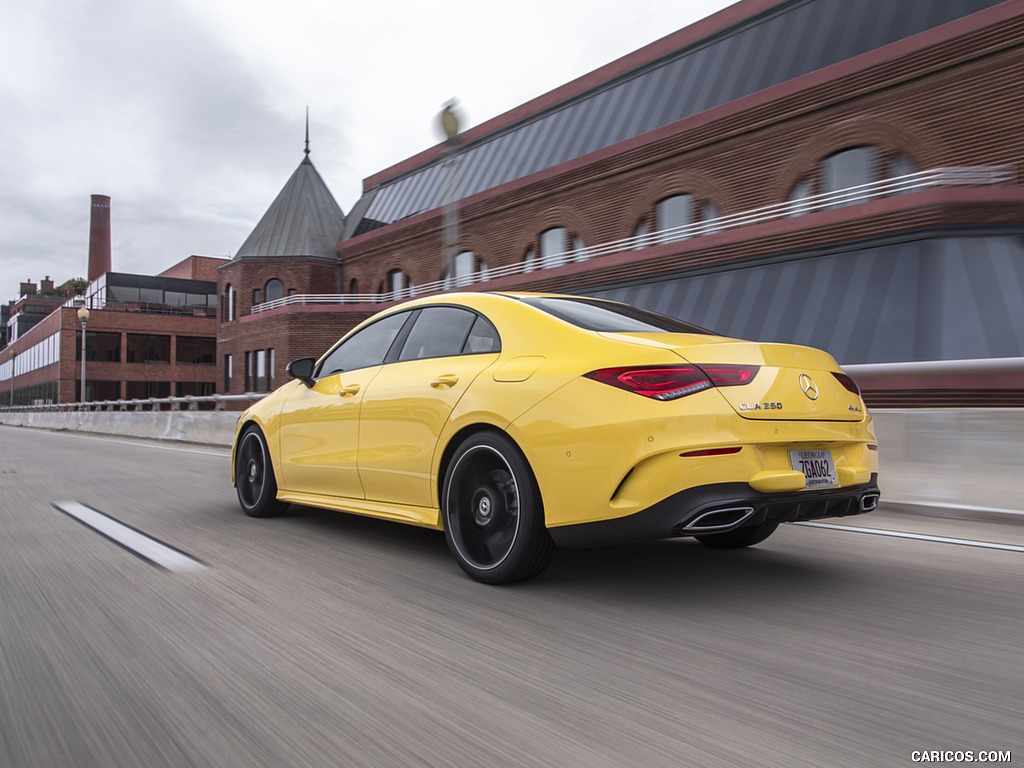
x,y
719,519
869,502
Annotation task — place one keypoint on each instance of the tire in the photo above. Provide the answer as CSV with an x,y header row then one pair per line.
x,y
254,476
492,512
741,537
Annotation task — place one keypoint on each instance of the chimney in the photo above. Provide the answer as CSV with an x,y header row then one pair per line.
x,y
28,288
99,237
46,285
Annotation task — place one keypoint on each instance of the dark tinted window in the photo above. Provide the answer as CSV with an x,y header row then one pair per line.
x,y
483,337
438,332
597,315
365,348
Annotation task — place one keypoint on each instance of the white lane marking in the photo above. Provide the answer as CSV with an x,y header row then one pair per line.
x,y
138,543
916,536
950,505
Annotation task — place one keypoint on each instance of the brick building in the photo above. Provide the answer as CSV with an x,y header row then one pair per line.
x,y
841,174
146,336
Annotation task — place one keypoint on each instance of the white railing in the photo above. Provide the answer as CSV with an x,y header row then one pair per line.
x,y
985,175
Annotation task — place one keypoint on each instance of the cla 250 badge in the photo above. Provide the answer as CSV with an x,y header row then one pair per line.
x,y
769,406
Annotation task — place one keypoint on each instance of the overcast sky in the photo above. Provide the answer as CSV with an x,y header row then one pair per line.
x,y
190,114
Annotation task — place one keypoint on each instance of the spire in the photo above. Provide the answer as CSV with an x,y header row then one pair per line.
x,y
307,131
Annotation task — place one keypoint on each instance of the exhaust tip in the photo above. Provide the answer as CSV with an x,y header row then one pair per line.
x,y
869,502
719,519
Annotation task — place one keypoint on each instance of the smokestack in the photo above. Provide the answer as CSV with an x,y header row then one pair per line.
x,y
99,237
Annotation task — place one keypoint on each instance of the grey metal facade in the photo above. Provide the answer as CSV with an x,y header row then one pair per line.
x,y
938,297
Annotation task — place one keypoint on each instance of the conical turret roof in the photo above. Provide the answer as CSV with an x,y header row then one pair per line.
x,y
304,221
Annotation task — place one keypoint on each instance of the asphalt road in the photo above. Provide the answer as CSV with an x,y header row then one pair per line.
x,y
320,639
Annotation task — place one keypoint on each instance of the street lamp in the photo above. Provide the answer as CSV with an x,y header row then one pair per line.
x,y
83,315
450,126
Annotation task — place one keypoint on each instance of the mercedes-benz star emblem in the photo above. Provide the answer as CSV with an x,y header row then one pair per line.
x,y
808,386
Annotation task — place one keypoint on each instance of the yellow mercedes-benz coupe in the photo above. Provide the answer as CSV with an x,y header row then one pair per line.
x,y
518,423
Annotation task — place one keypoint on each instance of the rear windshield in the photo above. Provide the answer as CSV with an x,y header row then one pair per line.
x,y
611,316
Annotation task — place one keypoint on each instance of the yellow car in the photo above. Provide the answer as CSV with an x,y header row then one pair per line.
x,y
518,423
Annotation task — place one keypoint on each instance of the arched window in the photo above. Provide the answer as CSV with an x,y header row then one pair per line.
x,y
228,304
554,248
640,236
353,286
529,261
273,290
397,284
845,169
469,268
671,216
579,250
798,197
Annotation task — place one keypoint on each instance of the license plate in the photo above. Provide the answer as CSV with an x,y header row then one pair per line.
x,y
817,466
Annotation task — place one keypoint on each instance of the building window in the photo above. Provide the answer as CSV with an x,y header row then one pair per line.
x,y
845,169
579,250
99,346
255,296
229,365
197,350
799,204
672,216
292,291
148,348
274,289
640,238
396,283
554,248
529,261
469,268
353,286
228,308
142,390
194,389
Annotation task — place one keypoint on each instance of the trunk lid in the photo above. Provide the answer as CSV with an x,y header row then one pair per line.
x,y
793,382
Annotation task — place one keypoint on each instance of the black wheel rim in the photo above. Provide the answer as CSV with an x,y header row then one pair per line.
x,y
251,470
482,509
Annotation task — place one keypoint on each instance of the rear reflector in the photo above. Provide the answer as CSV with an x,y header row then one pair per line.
x,y
670,382
712,452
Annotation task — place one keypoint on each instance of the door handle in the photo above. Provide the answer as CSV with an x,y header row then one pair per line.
x,y
445,381
348,390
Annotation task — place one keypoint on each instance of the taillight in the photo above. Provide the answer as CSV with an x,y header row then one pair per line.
x,y
670,382
847,382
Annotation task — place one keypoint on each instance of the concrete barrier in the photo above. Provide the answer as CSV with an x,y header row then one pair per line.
x,y
958,457
214,428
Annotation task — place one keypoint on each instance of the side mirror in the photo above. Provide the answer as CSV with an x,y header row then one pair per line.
x,y
302,369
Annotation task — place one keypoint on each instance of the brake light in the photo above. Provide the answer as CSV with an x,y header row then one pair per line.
x,y
670,382
847,382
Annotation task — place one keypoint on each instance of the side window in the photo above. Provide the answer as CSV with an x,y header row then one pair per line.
x,y
438,332
483,337
367,347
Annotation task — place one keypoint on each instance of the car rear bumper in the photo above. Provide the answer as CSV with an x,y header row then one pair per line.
x,y
719,508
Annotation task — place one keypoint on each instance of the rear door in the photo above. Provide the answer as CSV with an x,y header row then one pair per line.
x,y
410,400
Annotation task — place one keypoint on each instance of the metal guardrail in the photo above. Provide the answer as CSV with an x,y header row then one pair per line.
x,y
986,175
916,368
186,403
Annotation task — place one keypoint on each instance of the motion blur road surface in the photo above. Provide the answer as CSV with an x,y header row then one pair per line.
x,y
320,639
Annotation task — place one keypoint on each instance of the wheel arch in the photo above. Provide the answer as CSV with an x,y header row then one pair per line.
x,y
460,437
